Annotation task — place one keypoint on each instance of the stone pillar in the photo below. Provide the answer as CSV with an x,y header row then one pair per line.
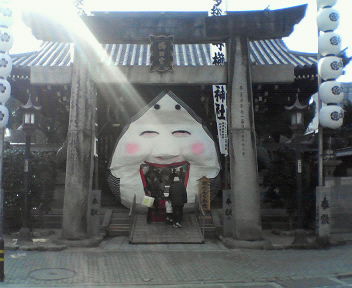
x,y
243,156
80,151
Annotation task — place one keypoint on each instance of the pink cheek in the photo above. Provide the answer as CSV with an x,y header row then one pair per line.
x,y
198,148
132,148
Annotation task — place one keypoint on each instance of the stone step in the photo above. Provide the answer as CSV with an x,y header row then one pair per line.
x,y
120,222
118,230
161,233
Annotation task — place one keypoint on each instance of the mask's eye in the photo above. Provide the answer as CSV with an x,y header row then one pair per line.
x,y
181,133
149,133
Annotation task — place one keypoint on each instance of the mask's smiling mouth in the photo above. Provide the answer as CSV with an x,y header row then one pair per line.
x,y
181,169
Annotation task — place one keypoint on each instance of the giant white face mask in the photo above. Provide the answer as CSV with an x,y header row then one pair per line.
x,y
165,135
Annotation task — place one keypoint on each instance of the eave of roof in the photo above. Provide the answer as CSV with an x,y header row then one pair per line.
x,y
262,52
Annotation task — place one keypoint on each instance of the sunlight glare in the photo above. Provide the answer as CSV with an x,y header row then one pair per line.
x,y
92,52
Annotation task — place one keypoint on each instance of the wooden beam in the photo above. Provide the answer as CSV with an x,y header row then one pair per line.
x,y
185,75
195,27
56,75
276,73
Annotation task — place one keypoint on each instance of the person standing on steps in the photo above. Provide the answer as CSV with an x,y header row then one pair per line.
x,y
178,196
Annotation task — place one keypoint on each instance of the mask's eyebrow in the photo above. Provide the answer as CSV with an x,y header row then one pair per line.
x,y
149,132
181,131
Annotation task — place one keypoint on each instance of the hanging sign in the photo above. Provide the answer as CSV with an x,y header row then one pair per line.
x,y
220,91
161,53
204,193
219,95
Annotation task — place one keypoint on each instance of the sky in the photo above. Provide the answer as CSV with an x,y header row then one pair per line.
x,y
304,38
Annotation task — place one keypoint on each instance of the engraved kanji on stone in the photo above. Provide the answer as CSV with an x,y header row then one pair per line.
x,y
324,219
228,212
325,203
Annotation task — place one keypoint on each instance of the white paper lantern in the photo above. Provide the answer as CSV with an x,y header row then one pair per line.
x,y
4,116
328,19
331,116
331,92
6,13
329,43
325,3
5,91
330,67
6,39
5,65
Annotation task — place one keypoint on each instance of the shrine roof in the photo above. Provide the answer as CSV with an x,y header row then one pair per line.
x,y
262,52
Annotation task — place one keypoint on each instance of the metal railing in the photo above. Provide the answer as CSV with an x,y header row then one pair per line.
x,y
131,216
200,215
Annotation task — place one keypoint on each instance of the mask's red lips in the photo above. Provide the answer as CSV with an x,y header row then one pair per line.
x,y
175,164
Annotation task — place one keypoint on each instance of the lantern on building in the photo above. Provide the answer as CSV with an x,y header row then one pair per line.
x,y
5,65
330,67
6,39
331,116
329,43
331,92
6,14
5,91
326,3
6,42
4,116
328,19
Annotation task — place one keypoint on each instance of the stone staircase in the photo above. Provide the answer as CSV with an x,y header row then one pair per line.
x,y
119,223
162,233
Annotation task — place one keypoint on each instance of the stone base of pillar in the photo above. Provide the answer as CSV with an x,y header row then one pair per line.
x,y
88,242
323,242
258,244
300,239
25,235
251,231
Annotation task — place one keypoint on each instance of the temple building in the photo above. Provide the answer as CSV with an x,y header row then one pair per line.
x,y
125,112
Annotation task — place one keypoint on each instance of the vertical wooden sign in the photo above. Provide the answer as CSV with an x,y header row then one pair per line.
x,y
204,193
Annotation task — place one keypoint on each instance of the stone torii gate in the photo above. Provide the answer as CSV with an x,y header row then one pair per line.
x,y
235,29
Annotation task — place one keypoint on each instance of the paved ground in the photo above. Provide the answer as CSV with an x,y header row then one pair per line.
x,y
118,264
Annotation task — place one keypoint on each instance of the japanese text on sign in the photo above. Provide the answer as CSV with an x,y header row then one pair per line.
x,y
161,53
219,91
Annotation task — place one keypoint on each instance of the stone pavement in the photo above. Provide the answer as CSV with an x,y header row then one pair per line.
x,y
115,263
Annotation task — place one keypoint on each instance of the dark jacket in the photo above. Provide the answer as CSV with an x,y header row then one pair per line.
x,y
178,194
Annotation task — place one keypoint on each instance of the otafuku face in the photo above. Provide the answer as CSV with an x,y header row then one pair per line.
x,y
164,135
